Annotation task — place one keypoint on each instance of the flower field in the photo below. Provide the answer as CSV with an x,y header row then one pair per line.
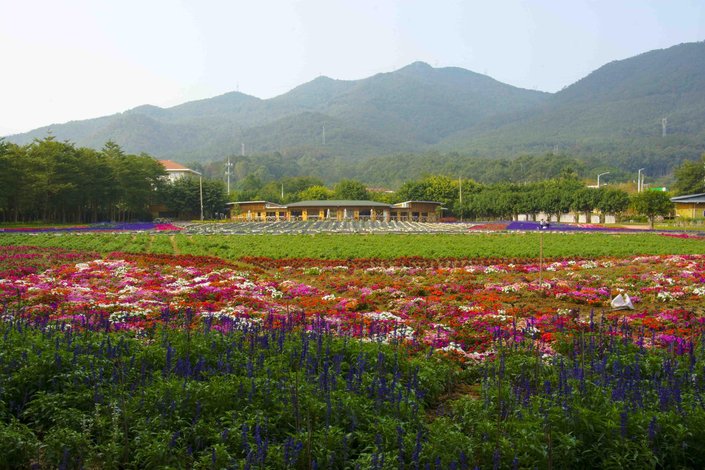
x,y
191,361
449,305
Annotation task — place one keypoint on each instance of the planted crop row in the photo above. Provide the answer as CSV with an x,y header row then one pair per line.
x,y
337,246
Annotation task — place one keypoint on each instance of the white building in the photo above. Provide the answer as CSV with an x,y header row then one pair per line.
x,y
176,171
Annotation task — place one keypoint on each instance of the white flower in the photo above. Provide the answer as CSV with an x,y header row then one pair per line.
x,y
383,316
699,291
453,347
274,293
665,297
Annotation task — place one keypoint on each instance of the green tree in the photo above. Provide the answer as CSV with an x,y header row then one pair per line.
x,y
248,189
557,195
350,189
19,187
437,188
296,184
315,193
612,201
54,181
99,185
690,177
652,204
529,200
140,178
184,197
585,200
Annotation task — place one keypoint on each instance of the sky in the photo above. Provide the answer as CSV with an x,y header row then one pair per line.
x,y
79,59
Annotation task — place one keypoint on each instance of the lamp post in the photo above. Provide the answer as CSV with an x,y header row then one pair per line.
x,y
460,185
639,183
200,190
598,177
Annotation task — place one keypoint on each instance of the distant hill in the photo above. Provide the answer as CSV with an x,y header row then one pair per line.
x,y
617,108
405,110
614,115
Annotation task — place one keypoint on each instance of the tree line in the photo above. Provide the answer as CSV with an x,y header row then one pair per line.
x,y
392,171
57,182
470,200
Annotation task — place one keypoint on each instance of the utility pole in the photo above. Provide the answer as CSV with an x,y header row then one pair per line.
x,y
664,125
228,172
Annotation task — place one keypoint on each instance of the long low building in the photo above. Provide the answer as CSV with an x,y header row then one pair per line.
x,y
690,206
265,211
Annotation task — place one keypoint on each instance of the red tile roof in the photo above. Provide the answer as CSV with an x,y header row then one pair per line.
x,y
169,165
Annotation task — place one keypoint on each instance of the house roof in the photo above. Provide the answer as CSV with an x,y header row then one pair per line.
x,y
690,198
407,203
334,203
272,205
338,203
170,165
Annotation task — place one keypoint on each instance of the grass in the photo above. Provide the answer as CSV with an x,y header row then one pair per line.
x,y
346,246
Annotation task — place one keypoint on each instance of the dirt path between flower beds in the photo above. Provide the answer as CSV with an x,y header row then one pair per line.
x,y
174,246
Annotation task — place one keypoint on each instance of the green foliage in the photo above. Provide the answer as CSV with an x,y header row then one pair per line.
x,y
207,397
18,444
690,177
350,189
55,181
480,201
597,404
433,188
652,204
184,197
344,246
315,193
612,201
192,394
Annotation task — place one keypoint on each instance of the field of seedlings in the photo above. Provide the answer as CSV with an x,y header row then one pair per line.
x,y
143,350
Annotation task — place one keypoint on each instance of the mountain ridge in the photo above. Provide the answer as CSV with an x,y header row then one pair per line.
x,y
419,108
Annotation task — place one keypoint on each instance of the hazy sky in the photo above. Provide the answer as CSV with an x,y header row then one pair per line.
x,y
67,60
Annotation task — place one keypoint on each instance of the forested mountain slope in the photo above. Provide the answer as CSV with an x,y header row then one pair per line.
x,y
614,115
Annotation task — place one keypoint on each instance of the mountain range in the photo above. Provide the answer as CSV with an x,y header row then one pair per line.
x,y
617,110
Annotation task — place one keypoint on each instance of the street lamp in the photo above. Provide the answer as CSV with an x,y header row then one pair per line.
x,y
601,174
200,190
639,183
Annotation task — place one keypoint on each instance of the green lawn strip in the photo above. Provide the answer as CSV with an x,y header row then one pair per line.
x,y
349,246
